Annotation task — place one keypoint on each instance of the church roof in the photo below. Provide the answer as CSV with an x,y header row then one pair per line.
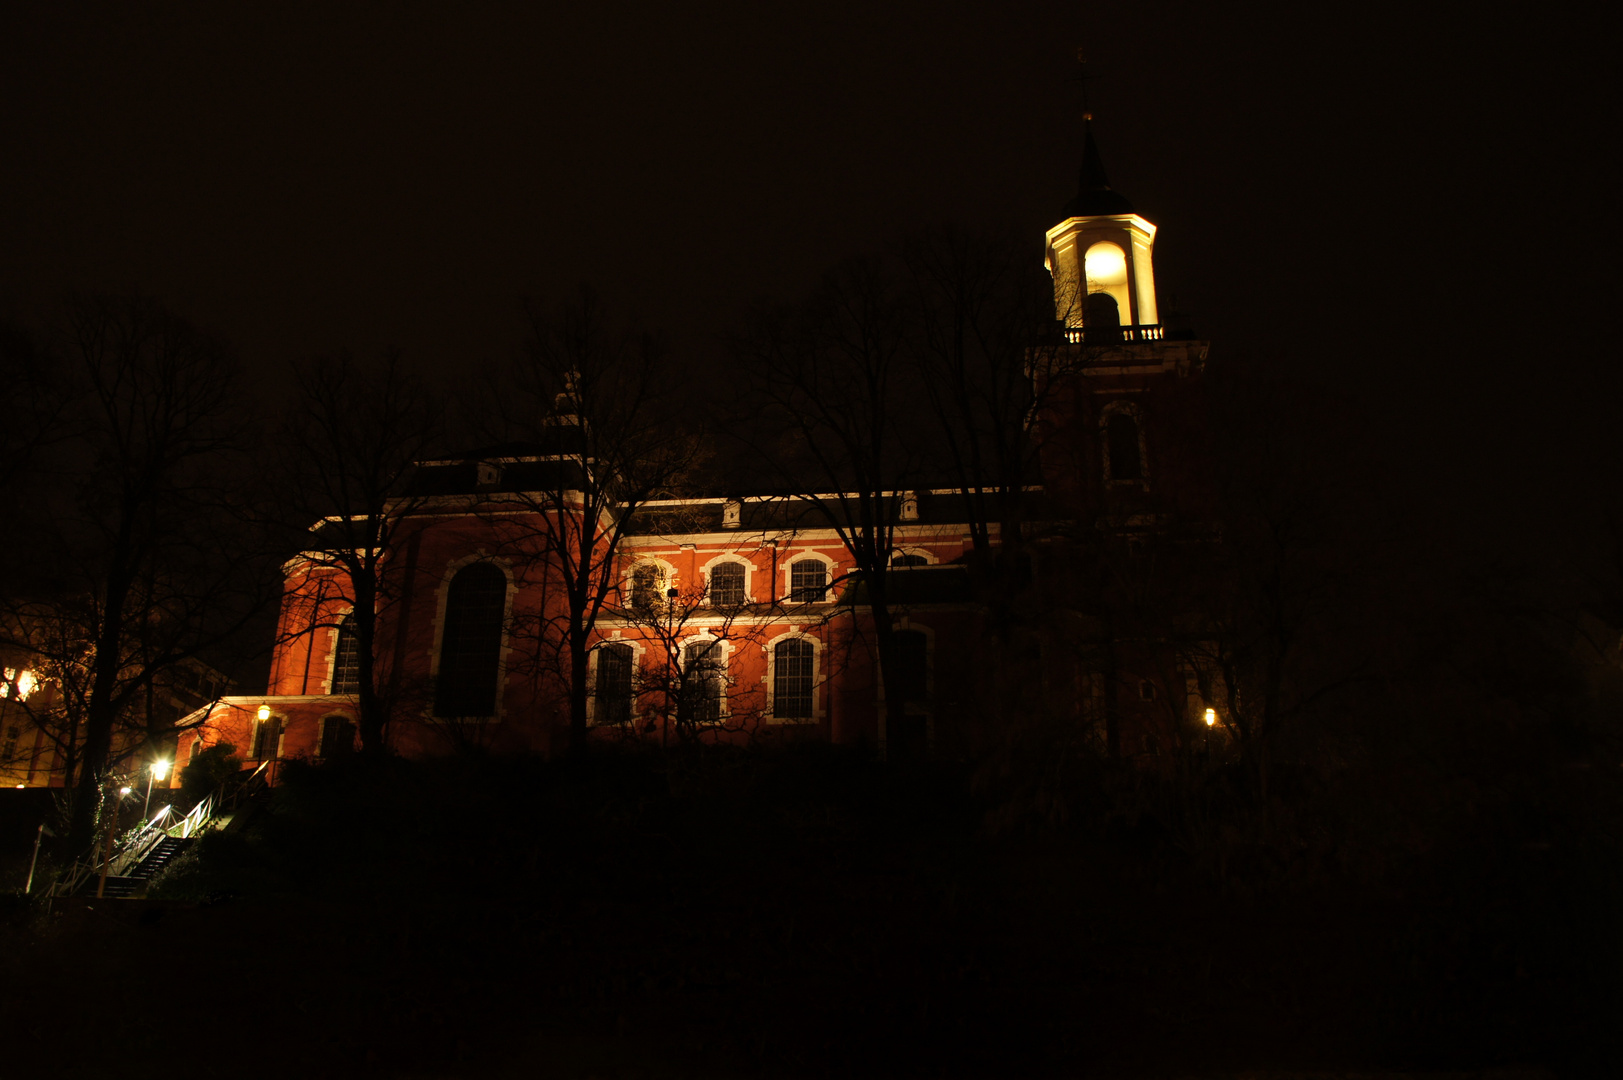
x,y
1094,195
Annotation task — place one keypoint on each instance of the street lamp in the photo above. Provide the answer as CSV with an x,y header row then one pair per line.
x,y
1211,721
156,771
264,712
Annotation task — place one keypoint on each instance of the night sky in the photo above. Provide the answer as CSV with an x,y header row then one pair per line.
x,y
1407,205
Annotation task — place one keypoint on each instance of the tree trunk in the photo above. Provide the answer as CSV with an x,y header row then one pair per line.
x,y
577,690
100,715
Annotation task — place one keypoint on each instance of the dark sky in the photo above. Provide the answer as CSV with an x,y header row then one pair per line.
x,y
1409,204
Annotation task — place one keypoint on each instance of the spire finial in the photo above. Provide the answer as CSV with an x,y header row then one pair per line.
x,y
1094,195
1082,77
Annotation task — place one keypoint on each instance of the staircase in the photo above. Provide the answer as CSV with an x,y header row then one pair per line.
x,y
149,848
135,882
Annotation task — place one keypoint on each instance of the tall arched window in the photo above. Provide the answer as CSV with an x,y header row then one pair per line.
x,y
727,584
808,581
1124,453
703,687
614,684
346,662
471,644
793,666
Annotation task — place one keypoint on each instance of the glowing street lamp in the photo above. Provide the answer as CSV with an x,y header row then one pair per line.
x,y
1211,718
264,712
156,771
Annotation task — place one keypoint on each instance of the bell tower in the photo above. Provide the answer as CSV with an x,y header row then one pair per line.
x,y
1101,257
1122,419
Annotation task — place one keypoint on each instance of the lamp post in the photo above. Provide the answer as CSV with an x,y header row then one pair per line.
x,y
1211,722
156,771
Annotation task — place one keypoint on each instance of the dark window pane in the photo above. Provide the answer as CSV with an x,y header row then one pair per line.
x,y
346,665
900,559
267,736
337,736
1122,432
702,686
912,662
470,647
727,584
792,667
614,684
808,581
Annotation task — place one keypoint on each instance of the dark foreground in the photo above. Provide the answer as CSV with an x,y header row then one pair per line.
x,y
793,916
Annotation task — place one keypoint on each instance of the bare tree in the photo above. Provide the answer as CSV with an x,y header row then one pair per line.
x,y
592,403
986,343
350,445
831,385
144,564
682,685
1270,617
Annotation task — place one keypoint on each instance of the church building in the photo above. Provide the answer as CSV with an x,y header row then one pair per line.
x,y
738,616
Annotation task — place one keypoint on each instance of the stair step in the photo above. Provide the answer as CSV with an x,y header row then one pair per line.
x,y
118,888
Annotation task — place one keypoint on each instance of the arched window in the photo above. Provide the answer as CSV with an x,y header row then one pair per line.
x,y
1124,453
902,559
727,584
645,582
1101,317
703,688
1108,299
793,667
471,644
912,662
808,581
337,736
346,662
614,663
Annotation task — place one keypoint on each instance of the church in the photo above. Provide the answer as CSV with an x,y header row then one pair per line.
x,y
737,616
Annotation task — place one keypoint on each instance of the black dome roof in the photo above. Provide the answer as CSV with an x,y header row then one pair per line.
x,y
1094,195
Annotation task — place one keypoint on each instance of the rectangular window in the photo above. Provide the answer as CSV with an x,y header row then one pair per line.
x,y
337,736
613,684
792,672
727,584
808,581
346,664
703,689
911,679
267,734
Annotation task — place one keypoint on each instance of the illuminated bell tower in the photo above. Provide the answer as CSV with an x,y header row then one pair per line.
x,y
1122,422
1100,256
